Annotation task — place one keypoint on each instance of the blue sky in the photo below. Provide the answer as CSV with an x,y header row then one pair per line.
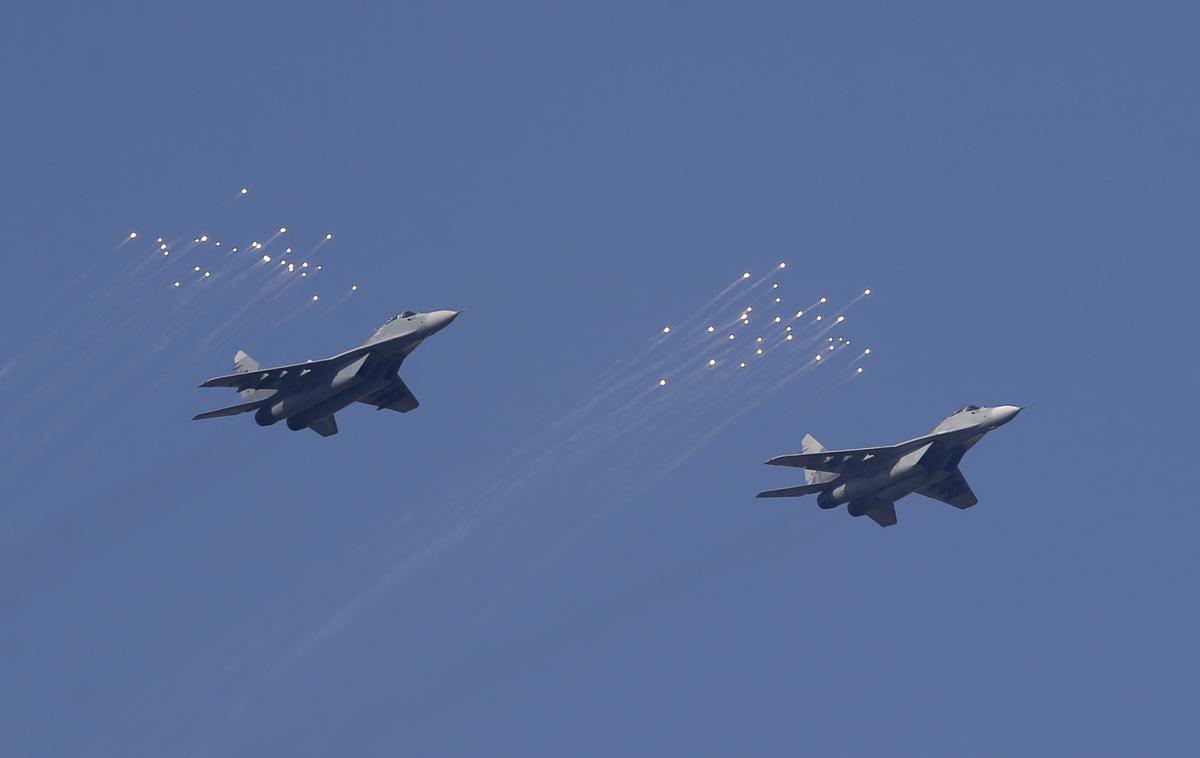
x,y
501,571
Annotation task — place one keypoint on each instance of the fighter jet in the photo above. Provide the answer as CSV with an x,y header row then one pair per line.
x,y
307,395
871,479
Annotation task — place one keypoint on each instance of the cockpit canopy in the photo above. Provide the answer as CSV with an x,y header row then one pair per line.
x,y
966,408
406,314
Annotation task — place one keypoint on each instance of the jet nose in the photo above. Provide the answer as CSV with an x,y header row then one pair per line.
x,y
440,319
1005,413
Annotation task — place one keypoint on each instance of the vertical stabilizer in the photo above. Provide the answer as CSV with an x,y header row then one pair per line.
x,y
244,364
810,445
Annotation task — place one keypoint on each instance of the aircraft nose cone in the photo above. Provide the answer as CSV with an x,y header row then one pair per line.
x,y
440,319
1005,413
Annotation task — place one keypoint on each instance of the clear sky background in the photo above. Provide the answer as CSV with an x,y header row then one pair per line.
x,y
500,572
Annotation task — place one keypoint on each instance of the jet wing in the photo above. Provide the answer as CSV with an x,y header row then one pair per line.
x,y
394,396
952,490
839,461
271,378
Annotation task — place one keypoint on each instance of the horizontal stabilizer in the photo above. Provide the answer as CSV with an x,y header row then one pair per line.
x,y
805,489
233,410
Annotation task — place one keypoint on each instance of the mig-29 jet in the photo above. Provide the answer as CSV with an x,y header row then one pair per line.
x,y
307,395
870,480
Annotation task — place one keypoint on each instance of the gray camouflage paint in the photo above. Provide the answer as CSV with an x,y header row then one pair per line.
x,y
307,395
870,480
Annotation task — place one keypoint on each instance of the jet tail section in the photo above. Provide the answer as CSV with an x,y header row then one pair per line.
x,y
233,410
810,445
807,489
244,364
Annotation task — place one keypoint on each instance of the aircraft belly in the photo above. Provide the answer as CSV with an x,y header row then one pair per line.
x,y
881,486
299,402
333,403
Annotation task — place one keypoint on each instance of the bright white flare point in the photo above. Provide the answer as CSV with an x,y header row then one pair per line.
x,y
196,269
829,339
778,319
819,318
746,275
316,298
282,229
732,337
159,239
823,300
328,236
742,364
866,292
166,252
287,250
204,238
758,351
244,190
176,284
831,348
217,243
758,339
712,361
666,330
840,319
304,265
318,268
266,259
233,250
163,246
133,235
712,329
818,357
662,382
867,351
207,274
788,338
303,274
354,288
291,267
859,370
749,308
775,286
779,300
799,314
841,339
783,264
788,329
